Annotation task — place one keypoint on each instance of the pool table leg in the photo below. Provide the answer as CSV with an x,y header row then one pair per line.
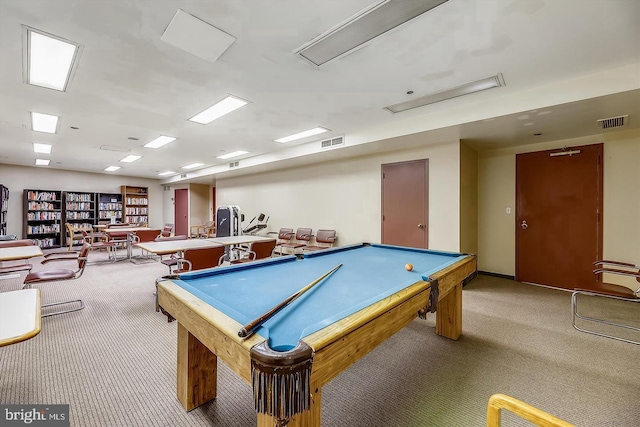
x,y
310,418
449,314
197,371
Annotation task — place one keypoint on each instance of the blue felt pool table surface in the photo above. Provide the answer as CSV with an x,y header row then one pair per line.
x,y
368,274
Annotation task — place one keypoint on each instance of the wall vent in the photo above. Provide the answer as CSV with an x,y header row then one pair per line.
x,y
234,164
613,122
184,175
339,140
166,188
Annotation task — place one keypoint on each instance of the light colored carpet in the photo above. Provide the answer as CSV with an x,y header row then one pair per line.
x,y
114,362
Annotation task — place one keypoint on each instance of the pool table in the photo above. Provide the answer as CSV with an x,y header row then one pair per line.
x,y
310,341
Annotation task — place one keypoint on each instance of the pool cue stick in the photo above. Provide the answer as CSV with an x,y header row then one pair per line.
x,y
250,328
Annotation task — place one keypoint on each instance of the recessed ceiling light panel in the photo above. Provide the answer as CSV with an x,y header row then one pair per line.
x,y
310,132
166,173
46,123
160,141
227,105
42,162
130,158
41,148
112,168
232,154
48,61
193,165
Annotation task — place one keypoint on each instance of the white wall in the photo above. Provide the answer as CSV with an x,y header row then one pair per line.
x,y
18,178
345,195
621,216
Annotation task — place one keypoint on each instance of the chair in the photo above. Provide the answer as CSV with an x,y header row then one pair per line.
x,y
257,250
16,268
200,258
284,236
90,240
302,238
324,240
208,229
55,275
166,231
73,235
142,236
172,261
608,290
523,410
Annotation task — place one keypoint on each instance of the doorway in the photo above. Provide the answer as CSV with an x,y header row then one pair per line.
x,y
405,203
181,212
559,216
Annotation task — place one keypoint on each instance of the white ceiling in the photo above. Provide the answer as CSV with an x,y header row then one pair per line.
x,y
566,63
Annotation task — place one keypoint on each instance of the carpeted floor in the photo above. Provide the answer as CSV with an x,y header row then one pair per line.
x,y
114,362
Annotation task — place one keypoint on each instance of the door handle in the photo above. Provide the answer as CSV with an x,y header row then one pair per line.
x,y
524,225
420,226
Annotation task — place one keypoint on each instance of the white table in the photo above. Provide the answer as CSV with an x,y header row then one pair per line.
x,y
176,246
130,232
19,315
13,253
231,241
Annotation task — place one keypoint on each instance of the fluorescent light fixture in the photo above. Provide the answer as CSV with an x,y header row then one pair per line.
x,y
112,168
41,148
306,133
160,141
130,158
466,89
42,162
44,122
232,154
166,173
49,60
193,165
361,28
227,105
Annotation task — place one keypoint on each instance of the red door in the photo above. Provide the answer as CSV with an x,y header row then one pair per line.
x,y
181,212
405,204
558,216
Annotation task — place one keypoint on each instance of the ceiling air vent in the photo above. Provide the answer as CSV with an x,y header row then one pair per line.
x,y
613,122
234,164
339,140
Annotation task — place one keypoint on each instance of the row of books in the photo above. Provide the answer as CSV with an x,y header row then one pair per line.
x,y
75,197
42,195
136,211
43,229
109,214
43,216
110,206
137,201
80,206
43,206
46,242
80,215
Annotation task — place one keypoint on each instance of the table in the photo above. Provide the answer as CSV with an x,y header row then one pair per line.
x,y
13,253
166,247
19,315
305,345
231,241
130,232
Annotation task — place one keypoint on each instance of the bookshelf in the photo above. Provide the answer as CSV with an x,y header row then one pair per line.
x,y
4,208
135,204
43,217
109,206
79,210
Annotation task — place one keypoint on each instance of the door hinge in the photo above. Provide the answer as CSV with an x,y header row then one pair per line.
x,y
597,215
383,217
